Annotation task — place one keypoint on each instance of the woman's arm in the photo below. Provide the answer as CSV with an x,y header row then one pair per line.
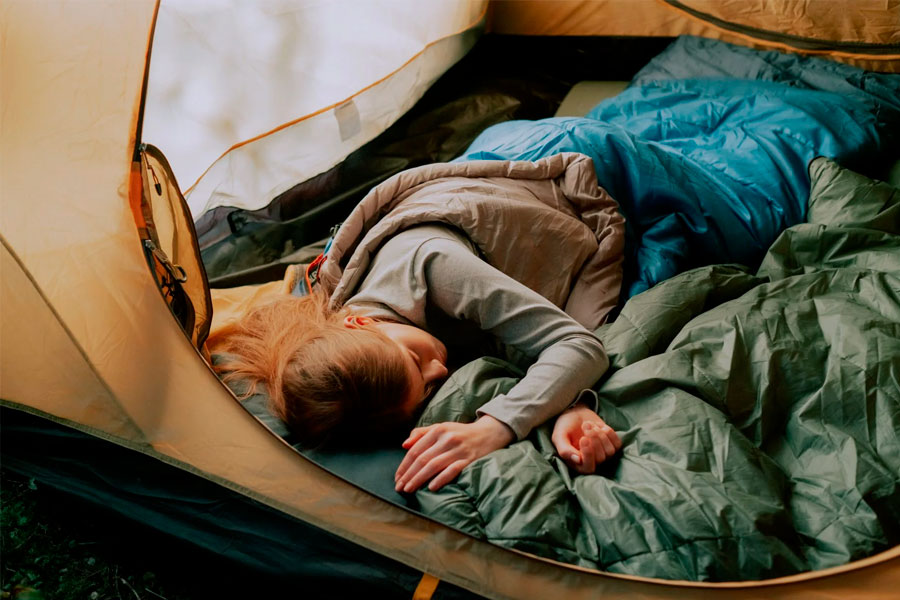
x,y
561,356
565,357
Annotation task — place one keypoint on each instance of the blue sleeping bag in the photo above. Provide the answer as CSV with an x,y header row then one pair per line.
x,y
707,150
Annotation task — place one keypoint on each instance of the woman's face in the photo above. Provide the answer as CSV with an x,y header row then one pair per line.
x,y
426,360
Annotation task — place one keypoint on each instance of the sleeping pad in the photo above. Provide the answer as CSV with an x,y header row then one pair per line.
x,y
759,412
706,151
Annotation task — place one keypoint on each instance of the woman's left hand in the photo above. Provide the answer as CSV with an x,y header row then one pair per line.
x,y
440,452
583,439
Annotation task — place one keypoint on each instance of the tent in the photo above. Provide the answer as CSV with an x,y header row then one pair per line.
x,y
103,380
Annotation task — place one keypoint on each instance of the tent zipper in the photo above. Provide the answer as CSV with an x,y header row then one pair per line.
x,y
176,271
156,185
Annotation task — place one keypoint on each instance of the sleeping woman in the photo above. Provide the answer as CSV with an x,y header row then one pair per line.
x,y
436,266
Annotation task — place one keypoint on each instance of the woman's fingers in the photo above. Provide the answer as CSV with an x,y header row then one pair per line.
x,y
427,466
440,452
441,469
583,440
607,439
446,448
597,444
566,450
414,436
418,442
588,450
429,455
616,440
447,475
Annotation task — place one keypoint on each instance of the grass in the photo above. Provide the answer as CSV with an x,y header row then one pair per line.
x,y
54,548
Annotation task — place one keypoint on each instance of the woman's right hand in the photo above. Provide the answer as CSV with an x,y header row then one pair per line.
x,y
583,439
440,452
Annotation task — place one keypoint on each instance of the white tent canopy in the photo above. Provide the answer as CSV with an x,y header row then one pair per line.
x,y
326,77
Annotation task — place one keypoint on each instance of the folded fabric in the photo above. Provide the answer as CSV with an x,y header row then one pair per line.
x,y
760,415
711,169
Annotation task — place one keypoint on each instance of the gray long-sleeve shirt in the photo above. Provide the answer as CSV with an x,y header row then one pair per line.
x,y
431,276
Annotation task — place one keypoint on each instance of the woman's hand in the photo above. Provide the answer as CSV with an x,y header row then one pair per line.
x,y
443,450
583,439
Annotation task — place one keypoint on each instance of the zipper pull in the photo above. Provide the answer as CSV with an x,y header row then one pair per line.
x,y
174,270
156,184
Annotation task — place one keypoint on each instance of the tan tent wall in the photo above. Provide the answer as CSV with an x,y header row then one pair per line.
x,y
862,21
88,341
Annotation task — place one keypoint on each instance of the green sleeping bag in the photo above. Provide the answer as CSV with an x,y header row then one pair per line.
x,y
760,415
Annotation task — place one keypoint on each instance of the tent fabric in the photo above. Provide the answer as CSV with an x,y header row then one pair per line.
x,y
256,151
740,460
863,33
72,250
76,273
281,90
170,241
500,79
705,150
65,216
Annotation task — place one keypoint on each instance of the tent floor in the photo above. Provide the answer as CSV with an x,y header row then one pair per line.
x,y
244,547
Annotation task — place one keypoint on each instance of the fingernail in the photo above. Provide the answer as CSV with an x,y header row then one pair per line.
x,y
576,459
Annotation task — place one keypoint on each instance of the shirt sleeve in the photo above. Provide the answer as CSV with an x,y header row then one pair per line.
x,y
567,358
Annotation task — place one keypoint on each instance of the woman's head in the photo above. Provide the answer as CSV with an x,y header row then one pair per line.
x,y
338,381
424,355
324,377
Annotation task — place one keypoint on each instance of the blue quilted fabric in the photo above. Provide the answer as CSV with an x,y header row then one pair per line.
x,y
707,150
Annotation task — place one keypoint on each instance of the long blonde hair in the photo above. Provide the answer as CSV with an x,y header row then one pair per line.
x,y
321,377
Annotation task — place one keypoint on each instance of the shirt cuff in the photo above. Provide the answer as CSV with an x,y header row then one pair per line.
x,y
520,426
589,398
520,432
